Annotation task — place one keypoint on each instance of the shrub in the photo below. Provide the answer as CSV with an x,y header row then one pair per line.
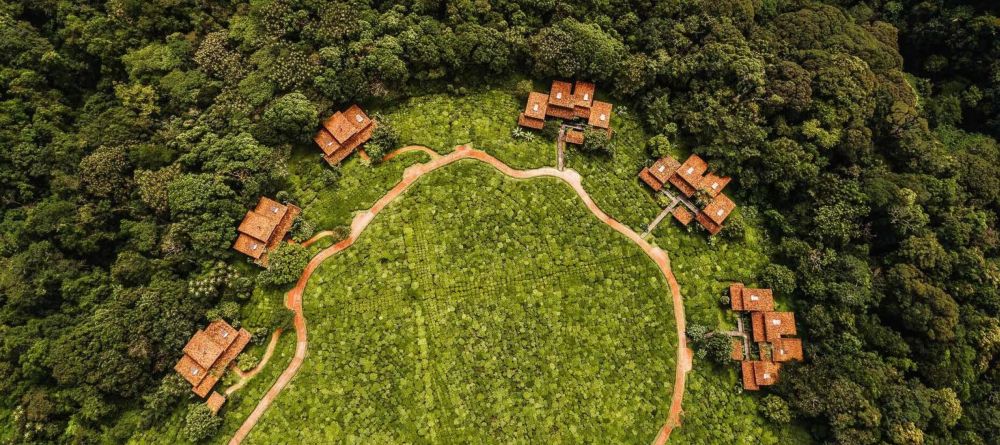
x,y
596,140
286,264
384,139
775,409
200,423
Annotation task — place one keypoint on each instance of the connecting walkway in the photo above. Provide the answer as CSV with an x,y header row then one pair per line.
x,y
293,300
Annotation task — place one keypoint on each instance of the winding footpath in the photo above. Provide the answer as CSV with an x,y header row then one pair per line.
x,y
293,300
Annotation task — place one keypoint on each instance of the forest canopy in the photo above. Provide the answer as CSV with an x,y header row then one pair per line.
x,y
135,134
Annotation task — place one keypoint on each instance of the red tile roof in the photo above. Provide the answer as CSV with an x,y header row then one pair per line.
x,y
708,224
737,353
757,326
777,324
663,168
691,170
749,381
561,94
646,176
208,353
215,401
736,296
757,299
583,94
765,373
787,349
343,133
682,215
530,122
713,184
560,113
600,115
264,227
536,106
340,127
574,137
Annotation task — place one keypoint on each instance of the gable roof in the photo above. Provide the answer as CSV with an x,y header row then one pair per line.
x,y
270,208
736,296
561,94
692,169
682,214
749,382
257,226
777,324
787,349
249,245
664,167
600,115
583,93
720,208
326,141
536,105
357,117
646,176
757,299
765,373
340,127
713,184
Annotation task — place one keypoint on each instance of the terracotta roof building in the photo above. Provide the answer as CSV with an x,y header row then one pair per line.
x,y
344,132
688,177
574,136
534,111
682,215
712,216
786,349
759,373
568,102
713,184
264,227
737,353
778,324
215,402
209,353
749,299
657,175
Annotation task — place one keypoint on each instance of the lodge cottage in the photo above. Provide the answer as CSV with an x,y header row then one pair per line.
x,y
263,229
207,355
342,134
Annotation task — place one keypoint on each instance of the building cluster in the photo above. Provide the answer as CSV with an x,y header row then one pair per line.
x,y
568,102
691,178
207,356
343,133
772,333
263,228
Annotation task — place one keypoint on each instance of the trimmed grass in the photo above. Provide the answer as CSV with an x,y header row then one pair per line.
x,y
478,308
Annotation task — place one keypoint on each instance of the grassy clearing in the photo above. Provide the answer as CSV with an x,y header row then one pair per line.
x,y
479,309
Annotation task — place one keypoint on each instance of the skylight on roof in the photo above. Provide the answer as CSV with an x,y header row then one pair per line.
x,y
534,107
715,185
274,209
253,246
776,322
225,334
586,97
767,376
359,118
661,169
558,95
690,170
720,212
754,298
604,117
194,371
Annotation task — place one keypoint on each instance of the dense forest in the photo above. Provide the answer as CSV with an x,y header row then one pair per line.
x,y
135,133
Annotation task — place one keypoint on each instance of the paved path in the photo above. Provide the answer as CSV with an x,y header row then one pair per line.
x,y
293,300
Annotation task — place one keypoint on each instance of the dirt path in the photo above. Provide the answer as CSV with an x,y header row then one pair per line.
x,y
246,376
293,300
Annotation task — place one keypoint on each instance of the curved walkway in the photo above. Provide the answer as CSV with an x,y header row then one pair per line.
x,y
293,300
246,376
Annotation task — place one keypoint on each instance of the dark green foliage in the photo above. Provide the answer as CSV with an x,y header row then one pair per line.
x,y
596,141
284,265
385,138
200,423
136,134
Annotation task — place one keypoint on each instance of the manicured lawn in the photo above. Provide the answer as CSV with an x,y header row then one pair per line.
x,y
480,308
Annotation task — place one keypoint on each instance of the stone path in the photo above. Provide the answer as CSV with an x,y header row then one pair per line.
x,y
293,300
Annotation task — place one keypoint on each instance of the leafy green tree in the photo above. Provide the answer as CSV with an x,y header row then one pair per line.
x,y
200,423
289,118
385,138
285,265
597,141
